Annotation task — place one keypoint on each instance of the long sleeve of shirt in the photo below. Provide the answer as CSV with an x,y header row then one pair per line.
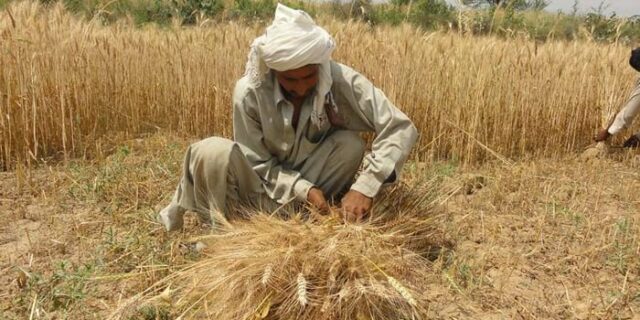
x,y
625,117
281,184
363,107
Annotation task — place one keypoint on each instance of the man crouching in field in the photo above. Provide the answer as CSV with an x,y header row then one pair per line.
x,y
625,117
296,118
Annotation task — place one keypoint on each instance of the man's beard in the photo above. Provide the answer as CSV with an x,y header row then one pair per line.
x,y
293,95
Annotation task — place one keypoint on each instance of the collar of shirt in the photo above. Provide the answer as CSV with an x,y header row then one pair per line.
x,y
278,96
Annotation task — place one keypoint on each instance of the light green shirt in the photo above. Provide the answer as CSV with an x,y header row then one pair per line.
x,y
628,113
262,125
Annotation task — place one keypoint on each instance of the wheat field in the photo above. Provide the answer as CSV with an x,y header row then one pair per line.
x,y
66,83
94,120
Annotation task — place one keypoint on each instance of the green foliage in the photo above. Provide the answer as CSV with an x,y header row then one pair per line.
x,y
75,6
388,15
601,27
497,17
262,9
630,32
400,3
152,313
431,14
515,4
511,22
156,11
188,10
300,5
342,10
365,11
253,8
69,284
66,287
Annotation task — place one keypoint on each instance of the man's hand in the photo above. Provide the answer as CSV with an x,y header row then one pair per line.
x,y
355,205
316,198
602,135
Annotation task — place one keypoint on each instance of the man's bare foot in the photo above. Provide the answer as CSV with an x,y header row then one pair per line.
x,y
172,217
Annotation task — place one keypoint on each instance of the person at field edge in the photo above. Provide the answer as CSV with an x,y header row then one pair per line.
x,y
296,121
625,117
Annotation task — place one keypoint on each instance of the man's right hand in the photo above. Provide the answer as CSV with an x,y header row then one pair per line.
x,y
602,135
316,198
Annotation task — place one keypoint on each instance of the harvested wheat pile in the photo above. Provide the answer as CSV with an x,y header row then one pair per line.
x,y
308,267
600,150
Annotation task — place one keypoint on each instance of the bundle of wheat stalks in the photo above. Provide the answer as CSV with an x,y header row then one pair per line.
x,y
309,267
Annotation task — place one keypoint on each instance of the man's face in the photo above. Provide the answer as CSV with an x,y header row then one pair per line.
x,y
298,83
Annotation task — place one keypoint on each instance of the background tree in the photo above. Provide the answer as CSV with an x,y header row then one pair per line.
x,y
516,4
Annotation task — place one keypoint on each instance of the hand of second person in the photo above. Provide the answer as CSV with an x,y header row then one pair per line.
x,y
316,198
602,135
632,142
355,206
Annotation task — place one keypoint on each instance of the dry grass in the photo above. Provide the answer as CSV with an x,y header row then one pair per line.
x,y
548,238
65,83
310,268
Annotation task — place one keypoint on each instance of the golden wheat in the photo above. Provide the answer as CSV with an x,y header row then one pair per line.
x,y
302,289
375,269
67,83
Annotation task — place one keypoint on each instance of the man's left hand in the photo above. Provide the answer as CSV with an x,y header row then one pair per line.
x,y
355,206
602,135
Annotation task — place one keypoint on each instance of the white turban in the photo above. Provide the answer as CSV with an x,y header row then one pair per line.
x,y
293,41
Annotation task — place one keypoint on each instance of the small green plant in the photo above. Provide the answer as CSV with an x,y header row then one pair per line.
x,y
248,9
445,169
189,10
64,288
431,14
263,9
157,11
152,313
558,210
392,15
69,284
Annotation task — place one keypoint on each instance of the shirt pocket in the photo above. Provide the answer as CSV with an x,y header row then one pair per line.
x,y
308,145
315,134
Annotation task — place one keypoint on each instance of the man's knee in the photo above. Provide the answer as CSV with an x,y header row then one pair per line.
x,y
211,148
348,145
